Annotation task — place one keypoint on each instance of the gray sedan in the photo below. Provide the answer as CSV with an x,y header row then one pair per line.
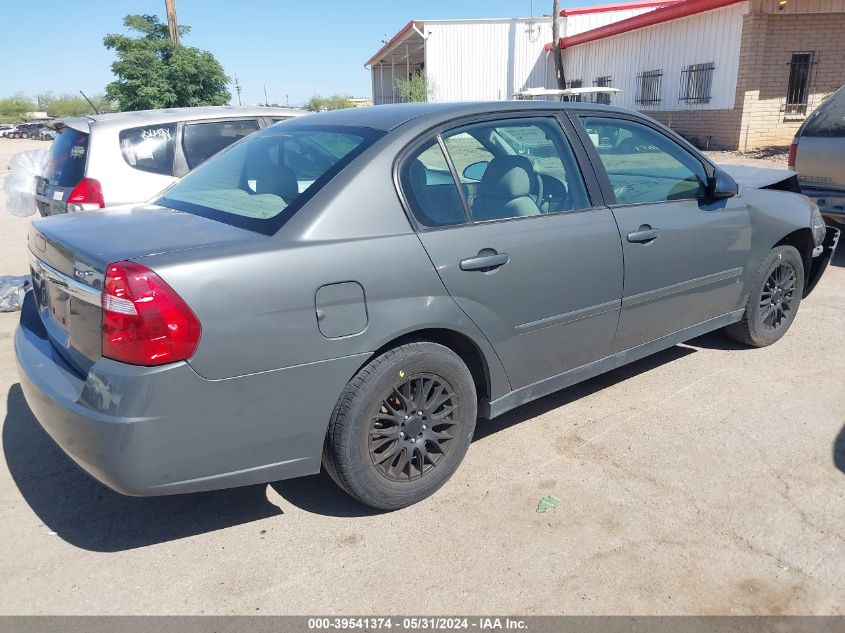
x,y
354,289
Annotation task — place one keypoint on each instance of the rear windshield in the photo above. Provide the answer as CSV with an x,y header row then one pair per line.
x,y
829,118
68,155
261,181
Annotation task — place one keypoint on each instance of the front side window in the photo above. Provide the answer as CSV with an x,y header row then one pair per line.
x,y
201,141
260,182
644,165
149,148
798,89
526,168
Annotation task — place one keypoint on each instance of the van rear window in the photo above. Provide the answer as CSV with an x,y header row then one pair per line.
x,y
68,156
829,118
150,148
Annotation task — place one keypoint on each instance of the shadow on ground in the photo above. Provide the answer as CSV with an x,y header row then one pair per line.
x,y
839,255
839,450
90,516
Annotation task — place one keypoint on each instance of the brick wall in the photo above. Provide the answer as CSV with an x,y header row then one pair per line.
x,y
768,41
710,129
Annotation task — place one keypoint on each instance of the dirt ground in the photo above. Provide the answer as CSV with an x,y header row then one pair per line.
x,y
707,479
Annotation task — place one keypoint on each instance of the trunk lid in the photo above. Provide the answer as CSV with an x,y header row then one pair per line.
x,y
69,256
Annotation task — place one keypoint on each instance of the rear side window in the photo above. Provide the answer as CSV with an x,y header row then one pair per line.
x,y
829,119
149,148
68,156
201,141
430,188
260,183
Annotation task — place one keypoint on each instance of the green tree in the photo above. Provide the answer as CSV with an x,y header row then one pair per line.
x,y
415,88
12,109
335,102
152,72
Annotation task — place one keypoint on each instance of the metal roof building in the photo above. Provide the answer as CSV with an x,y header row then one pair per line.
x,y
728,73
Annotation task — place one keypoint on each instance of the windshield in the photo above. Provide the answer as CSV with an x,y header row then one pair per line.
x,y
261,181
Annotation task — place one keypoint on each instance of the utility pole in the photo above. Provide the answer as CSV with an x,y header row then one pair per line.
x,y
266,103
238,89
561,80
287,101
172,26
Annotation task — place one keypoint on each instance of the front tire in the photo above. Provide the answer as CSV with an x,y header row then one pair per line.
x,y
402,426
773,299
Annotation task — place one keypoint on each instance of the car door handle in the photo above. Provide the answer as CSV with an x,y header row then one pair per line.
x,y
644,235
486,260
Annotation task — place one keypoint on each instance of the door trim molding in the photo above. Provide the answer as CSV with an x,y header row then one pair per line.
x,y
652,295
567,317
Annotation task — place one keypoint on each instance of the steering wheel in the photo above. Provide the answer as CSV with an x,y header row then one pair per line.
x,y
555,194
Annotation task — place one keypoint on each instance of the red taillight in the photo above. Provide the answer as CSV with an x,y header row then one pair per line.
x,y
88,191
793,149
144,321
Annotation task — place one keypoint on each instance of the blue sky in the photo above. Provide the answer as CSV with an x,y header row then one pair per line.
x,y
295,48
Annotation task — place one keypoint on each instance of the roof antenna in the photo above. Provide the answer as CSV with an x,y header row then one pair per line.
x,y
96,111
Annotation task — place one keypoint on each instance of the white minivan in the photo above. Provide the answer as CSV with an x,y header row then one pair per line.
x,y
110,159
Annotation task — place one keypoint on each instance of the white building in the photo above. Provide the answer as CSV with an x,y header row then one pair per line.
x,y
731,73
471,60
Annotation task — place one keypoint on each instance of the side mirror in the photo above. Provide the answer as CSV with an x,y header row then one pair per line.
x,y
722,185
475,171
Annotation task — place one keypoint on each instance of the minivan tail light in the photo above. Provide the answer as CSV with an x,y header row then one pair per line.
x,y
89,191
793,150
144,321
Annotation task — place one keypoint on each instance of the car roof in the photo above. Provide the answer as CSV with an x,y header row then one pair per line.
x,y
389,117
169,115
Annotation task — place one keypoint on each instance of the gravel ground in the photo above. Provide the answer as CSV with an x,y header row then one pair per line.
x,y
703,480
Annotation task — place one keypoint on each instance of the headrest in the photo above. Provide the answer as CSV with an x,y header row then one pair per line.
x,y
417,175
508,177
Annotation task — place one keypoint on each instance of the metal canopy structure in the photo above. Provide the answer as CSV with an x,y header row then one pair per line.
x,y
401,57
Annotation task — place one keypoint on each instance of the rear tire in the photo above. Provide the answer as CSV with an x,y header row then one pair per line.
x,y
402,426
773,300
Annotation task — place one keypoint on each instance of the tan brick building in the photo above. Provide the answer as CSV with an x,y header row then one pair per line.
x,y
737,74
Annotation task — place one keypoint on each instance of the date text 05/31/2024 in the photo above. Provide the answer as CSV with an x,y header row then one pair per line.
x,y
417,623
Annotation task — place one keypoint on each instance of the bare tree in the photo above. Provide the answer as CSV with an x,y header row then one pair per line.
x,y
561,80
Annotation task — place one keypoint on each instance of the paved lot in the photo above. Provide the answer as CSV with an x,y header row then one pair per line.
x,y
703,480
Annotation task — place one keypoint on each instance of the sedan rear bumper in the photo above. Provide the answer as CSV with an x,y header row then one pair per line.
x,y
166,430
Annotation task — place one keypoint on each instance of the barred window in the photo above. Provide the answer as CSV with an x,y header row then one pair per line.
x,y
575,83
603,82
798,89
696,83
649,87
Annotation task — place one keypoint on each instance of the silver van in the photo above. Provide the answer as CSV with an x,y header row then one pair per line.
x,y
111,159
818,155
